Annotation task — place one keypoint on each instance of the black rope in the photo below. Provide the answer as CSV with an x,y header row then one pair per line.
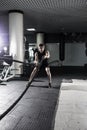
x,y
19,98
10,60
12,106
25,90
57,61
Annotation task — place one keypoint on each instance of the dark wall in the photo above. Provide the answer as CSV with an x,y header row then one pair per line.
x,y
51,38
31,38
55,37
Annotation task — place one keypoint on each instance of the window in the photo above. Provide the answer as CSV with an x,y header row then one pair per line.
x,y
31,52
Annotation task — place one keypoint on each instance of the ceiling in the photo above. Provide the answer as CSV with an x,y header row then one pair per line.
x,y
49,16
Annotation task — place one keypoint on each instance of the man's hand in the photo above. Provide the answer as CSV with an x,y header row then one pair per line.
x,y
45,57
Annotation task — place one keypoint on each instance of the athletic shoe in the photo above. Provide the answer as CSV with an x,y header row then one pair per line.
x,y
50,85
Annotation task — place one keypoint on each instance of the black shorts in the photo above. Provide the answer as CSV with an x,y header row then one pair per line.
x,y
44,64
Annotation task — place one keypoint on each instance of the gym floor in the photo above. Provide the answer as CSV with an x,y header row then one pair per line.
x,y
62,107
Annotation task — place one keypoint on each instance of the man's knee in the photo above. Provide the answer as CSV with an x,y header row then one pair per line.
x,y
35,68
47,69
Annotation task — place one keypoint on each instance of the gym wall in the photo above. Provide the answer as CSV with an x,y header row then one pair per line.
x,y
74,52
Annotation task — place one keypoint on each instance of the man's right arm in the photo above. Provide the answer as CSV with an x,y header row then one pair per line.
x,y
36,58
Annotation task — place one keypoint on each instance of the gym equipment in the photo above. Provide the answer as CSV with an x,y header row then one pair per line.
x,y
9,60
6,73
7,69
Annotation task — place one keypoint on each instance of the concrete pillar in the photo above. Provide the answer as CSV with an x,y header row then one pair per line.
x,y
39,38
16,47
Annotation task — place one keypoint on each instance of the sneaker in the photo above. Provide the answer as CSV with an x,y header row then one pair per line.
x,y
50,85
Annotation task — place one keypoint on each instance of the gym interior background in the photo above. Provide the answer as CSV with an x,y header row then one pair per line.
x,y
71,53
64,29
62,26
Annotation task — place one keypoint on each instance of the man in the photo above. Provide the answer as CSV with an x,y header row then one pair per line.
x,y
41,61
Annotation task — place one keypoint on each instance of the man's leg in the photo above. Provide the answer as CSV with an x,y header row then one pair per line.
x,y
32,75
47,69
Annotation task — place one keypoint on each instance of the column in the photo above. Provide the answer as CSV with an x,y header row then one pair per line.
x,y
39,38
16,47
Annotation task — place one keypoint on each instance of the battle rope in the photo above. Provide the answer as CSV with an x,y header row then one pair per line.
x,y
10,60
19,98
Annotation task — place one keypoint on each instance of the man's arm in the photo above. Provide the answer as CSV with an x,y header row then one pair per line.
x,y
47,55
36,58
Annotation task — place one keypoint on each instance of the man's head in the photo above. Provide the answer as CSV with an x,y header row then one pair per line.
x,y
41,47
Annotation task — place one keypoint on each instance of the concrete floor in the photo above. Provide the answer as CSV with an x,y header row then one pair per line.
x,y
42,108
71,112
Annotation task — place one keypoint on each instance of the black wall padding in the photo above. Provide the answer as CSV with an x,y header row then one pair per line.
x,y
62,51
86,48
86,45
62,47
86,52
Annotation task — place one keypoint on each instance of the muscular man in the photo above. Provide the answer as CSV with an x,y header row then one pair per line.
x,y
41,61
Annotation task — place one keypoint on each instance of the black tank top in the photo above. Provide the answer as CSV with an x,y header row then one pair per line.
x,y
40,55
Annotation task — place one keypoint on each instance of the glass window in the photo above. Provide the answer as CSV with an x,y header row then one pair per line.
x,y
31,52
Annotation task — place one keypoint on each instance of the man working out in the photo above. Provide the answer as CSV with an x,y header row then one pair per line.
x,y
41,61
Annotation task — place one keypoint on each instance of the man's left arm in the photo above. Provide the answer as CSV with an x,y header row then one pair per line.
x,y
47,55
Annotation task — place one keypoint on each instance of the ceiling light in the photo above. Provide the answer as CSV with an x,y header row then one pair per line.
x,y
30,29
5,48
